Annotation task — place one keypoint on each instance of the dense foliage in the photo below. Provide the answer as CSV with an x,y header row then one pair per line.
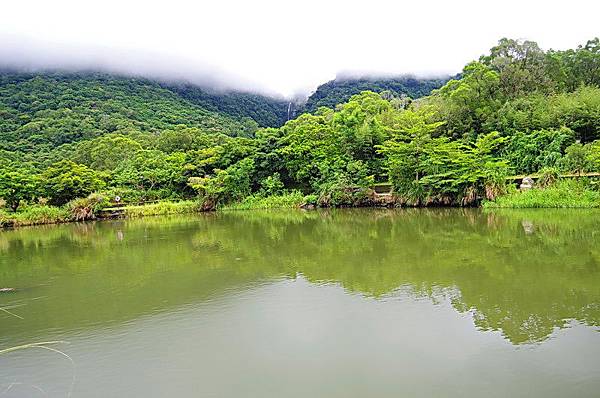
x,y
248,107
517,110
340,90
39,114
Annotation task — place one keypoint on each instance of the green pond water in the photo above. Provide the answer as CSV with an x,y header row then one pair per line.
x,y
347,303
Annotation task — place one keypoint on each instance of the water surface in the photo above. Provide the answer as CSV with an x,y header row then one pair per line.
x,y
348,303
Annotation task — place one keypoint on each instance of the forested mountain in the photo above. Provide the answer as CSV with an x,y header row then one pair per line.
x,y
39,113
54,108
340,90
266,111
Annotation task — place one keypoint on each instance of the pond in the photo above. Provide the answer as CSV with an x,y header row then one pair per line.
x,y
344,303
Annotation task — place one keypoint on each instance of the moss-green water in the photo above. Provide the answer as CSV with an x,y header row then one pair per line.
x,y
186,300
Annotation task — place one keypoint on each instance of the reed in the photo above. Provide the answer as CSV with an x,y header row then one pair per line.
x,y
286,201
562,194
161,208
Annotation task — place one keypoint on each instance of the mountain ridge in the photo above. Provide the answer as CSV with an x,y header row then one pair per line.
x,y
340,89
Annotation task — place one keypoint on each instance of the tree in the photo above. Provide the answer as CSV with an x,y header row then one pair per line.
x,y
107,152
231,184
521,66
575,67
579,158
67,180
340,90
578,111
17,185
271,185
359,122
410,143
467,103
311,149
594,155
154,174
530,152
425,170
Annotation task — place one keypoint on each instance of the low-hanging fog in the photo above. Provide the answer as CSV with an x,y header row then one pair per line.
x,y
277,47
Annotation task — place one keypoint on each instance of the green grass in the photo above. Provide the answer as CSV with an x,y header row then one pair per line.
x,y
286,201
37,215
161,208
563,194
34,215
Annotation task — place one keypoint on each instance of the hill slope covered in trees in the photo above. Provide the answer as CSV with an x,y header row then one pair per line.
x,y
41,113
265,111
54,108
340,90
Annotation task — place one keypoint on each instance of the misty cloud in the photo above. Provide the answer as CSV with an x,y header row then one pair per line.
x,y
272,46
30,55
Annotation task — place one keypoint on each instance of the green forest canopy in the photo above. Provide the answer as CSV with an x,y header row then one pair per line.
x,y
518,109
340,90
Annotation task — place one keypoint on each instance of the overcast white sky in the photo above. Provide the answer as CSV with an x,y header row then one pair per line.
x,y
283,47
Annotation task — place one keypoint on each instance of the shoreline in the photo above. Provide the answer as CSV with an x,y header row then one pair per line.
x,y
190,207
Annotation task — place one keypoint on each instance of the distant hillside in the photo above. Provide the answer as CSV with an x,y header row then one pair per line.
x,y
42,111
340,90
265,111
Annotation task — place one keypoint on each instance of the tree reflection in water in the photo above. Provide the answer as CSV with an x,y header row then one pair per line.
x,y
523,273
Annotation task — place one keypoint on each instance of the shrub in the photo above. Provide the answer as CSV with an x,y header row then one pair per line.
x,y
547,177
311,199
86,208
578,158
341,192
226,186
565,193
162,208
289,200
33,215
272,185
127,195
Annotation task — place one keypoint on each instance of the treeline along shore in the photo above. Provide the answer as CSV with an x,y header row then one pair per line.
x,y
82,146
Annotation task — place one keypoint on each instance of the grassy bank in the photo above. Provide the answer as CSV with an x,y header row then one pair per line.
x,y
286,201
34,215
160,208
563,194
39,215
